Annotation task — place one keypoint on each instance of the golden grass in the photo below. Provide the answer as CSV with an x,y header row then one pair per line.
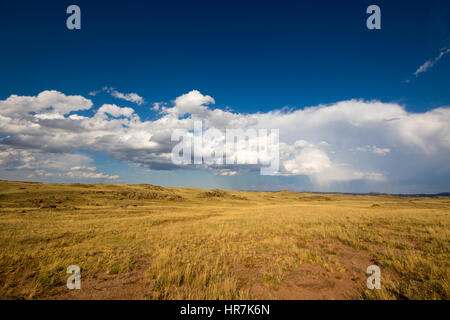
x,y
195,244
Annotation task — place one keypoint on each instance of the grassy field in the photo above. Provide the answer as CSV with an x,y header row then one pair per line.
x,y
149,242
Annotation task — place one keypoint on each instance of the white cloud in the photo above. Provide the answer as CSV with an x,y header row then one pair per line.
x,y
308,161
114,111
225,172
430,63
318,142
89,175
48,103
156,106
78,168
193,103
132,97
38,164
374,150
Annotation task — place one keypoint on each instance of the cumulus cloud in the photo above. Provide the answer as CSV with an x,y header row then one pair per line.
x,y
308,161
352,140
193,103
19,164
50,103
114,111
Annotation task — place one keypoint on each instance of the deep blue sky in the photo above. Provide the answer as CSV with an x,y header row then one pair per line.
x,y
252,56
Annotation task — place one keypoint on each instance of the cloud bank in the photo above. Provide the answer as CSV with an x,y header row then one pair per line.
x,y
354,140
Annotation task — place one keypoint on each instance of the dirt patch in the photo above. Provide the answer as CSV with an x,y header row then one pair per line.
x,y
343,278
133,285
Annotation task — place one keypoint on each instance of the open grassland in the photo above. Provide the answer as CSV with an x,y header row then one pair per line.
x,y
149,242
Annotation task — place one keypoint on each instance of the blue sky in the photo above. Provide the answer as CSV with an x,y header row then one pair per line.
x,y
252,57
